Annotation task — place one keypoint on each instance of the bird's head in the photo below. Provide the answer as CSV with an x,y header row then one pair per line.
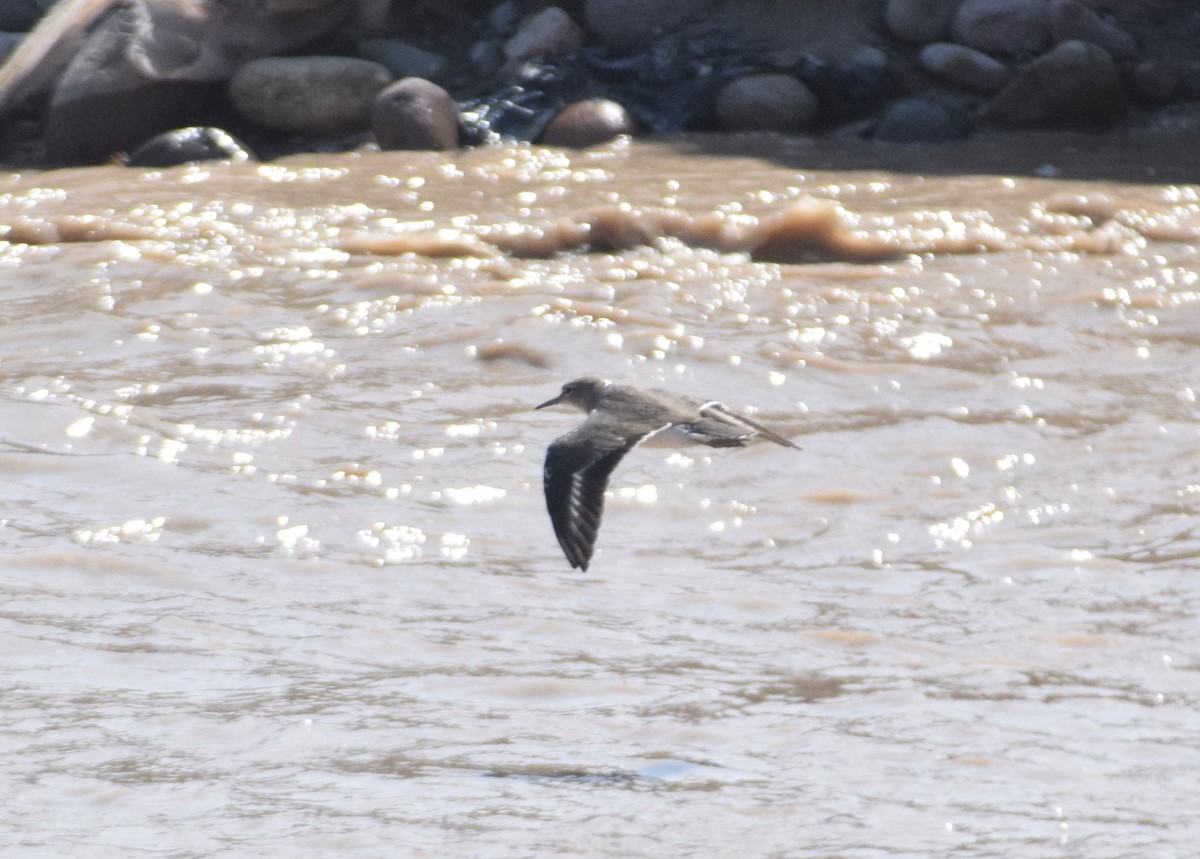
x,y
584,392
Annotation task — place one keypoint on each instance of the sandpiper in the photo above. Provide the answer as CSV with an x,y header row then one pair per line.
x,y
620,417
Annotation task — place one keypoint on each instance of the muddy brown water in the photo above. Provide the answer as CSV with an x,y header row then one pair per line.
x,y
278,579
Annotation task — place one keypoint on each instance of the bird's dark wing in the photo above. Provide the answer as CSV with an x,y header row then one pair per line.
x,y
577,469
730,429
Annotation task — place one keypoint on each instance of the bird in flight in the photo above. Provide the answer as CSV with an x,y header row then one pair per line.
x,y
620,417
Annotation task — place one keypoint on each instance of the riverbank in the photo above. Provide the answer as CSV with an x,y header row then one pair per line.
x,y
96,81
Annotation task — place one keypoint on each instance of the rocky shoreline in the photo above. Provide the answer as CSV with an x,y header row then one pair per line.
x,y
159,82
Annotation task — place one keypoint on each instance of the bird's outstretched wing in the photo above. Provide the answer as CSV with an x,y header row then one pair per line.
x,y
576,474
717,422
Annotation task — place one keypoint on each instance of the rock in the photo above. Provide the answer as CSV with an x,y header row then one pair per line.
x,y
371,17
865,77
415,114
1180,120
766,102
864,73
119,88
1155,81
38,60
549,33
504,18
586,123
402,59
624,25
965,67
920,21
242,30
485,58
145,66
1189,78
20,16
8,44
1076,82
849,87
922,120
308,95
1005,27
1070,19
184,145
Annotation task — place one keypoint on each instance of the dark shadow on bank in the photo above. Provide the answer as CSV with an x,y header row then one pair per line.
x,y
1123,156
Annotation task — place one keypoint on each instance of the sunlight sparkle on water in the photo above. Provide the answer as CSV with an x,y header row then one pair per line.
x,y
168,450
926,345
144,530
214,436
243,463
1037,515
399,542
645,494
278,173
81,427
388,431
1011,460
973,522
454,546
471,430
810,336
357,474
294,539
284,343
471,494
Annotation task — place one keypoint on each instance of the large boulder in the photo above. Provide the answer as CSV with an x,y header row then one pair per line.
x,y
625,25
964,67
766,102
402,59
186,145
124,85
19,16
1155,81
1005,27
1070,19
1077,83
414,113
146,65
588,122
308,95
34,63
920,21
922,120
9,42
549,33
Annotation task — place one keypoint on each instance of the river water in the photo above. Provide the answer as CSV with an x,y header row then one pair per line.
x,y
278,578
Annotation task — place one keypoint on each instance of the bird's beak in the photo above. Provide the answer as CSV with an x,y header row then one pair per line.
x,y
551,402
